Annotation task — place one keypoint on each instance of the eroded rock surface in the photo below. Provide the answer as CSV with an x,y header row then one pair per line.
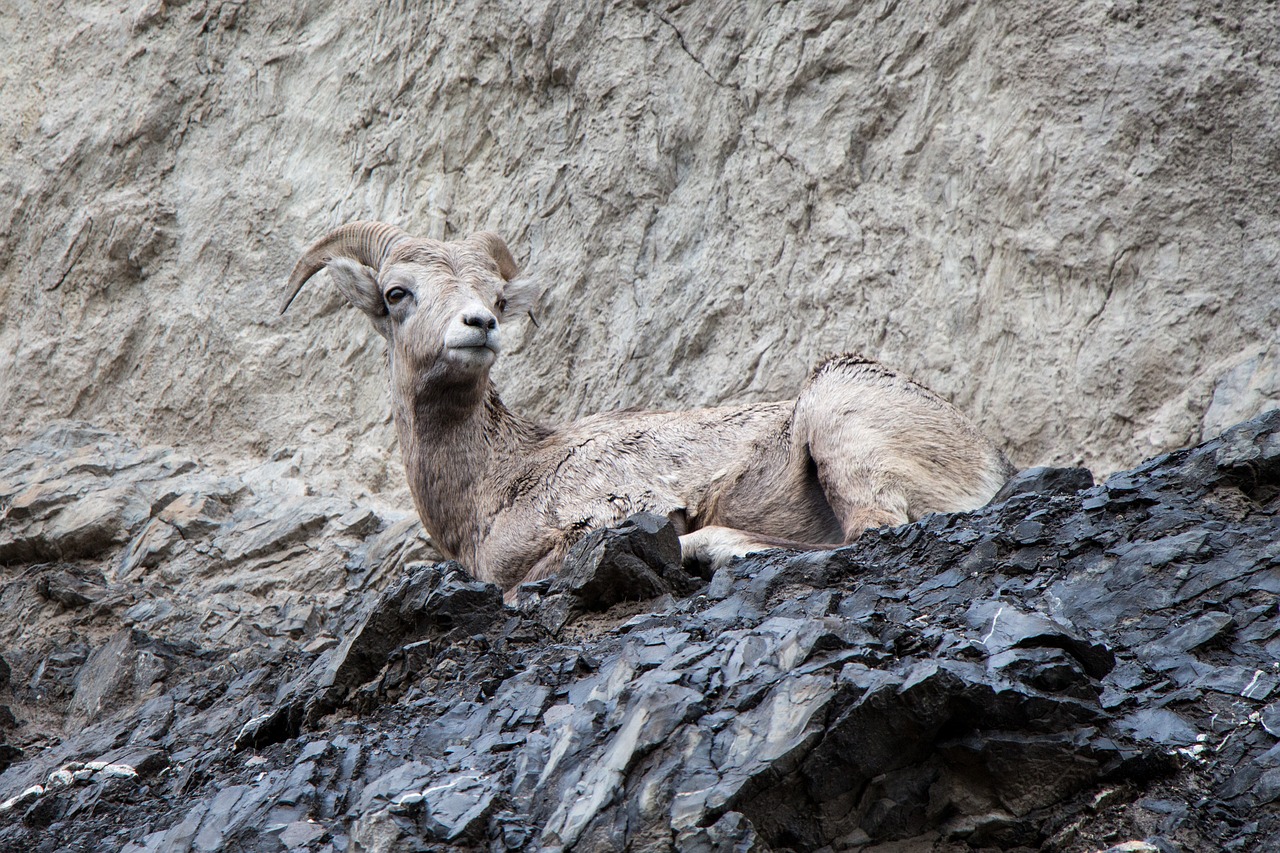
x,y
1060,215
1065,670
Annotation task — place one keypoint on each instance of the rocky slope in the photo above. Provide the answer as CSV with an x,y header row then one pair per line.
x,y
222,629
195,660
1060,215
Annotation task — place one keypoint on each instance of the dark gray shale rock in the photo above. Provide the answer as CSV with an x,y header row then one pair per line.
x,y
1072,668
637,561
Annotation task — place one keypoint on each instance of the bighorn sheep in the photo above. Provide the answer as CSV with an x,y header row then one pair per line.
x,y
861,447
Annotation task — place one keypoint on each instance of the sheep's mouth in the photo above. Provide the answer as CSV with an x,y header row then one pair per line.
x,y
474,348
490,343
473,339
480,353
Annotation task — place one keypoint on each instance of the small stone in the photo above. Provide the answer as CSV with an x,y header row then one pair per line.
x,y
8,755
119,771
125,666
409,800
1202,631
1028,532
635,561
68,590
1049,669
404,542
60,779
156,542
1003,625
431,601
261,530
1045,481
27,795
361,521
194,514
1254,684
1097,501
45,811
1106,798
1270,719
301,833
1159,725
89,526
313,750
320,644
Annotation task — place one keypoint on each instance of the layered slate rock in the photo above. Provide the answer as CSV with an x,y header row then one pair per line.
x,y
639,560
1073,668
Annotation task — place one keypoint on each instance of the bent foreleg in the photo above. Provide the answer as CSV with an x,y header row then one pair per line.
x,y
715,546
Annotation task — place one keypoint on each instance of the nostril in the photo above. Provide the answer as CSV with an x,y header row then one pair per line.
x,y
481,321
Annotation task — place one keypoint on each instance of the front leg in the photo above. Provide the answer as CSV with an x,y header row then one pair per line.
x,y
715,546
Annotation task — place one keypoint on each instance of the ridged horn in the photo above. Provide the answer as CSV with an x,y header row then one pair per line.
x,y
366,242
497,248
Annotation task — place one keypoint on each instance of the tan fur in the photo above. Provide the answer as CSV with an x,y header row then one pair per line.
x,y
860,447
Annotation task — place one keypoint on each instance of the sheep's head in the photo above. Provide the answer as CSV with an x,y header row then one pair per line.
x,y
438,304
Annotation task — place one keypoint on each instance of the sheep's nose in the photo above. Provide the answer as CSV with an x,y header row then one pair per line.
x,y
481,321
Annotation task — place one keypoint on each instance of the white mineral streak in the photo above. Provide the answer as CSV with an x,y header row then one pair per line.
x,y
27,794
119,771
599,785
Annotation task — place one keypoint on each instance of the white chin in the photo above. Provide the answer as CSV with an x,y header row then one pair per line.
x,y
476,357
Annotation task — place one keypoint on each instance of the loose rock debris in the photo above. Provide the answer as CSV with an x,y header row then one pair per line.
x,y
1075,667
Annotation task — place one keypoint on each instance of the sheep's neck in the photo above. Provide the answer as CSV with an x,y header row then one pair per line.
x,y
456,443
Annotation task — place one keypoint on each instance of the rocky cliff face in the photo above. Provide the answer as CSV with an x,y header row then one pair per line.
x,y
199,661
221,628
1062,216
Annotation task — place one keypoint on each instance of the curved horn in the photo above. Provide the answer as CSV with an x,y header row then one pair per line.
x,y
497,248
366,242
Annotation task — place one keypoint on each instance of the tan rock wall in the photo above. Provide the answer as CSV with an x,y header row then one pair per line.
x,y
1065,217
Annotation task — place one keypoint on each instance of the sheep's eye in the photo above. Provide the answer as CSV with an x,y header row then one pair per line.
x,y
395,294
501,305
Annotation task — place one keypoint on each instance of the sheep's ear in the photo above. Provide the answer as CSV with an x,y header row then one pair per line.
x,y
522,295
358,284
